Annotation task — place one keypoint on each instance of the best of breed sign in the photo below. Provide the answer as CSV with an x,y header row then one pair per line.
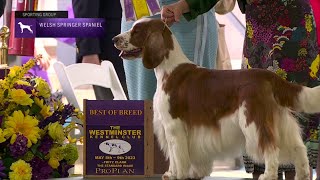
x,y
115,138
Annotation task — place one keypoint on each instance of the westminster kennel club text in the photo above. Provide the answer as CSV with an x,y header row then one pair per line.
x,y
115,132
71,24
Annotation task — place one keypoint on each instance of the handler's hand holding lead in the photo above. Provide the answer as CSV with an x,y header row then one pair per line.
x,y
172,13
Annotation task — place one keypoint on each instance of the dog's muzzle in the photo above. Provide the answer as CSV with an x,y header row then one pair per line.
x,y
118,41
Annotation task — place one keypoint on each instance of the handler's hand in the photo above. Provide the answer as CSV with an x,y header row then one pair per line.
x,y
172,13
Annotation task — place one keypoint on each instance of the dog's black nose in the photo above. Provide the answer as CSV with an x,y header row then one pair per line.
x,y
115,39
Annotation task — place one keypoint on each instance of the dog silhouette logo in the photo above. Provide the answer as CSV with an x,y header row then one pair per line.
x,y
115,147
23,26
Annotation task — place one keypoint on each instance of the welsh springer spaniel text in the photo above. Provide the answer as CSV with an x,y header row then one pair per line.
x,y
201,115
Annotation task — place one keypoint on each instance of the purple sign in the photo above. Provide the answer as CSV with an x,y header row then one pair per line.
x,y
60,27
114,138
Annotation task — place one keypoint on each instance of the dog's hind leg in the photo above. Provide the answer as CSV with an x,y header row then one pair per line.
x,y
295,146
301,162
271,158
270,154
178,149
261,137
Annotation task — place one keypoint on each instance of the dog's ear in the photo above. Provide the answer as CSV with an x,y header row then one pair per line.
x,y
156,48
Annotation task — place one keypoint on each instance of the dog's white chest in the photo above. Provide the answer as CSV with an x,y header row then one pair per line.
x,y
161,104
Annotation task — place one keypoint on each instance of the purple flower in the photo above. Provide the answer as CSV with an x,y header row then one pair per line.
x,y
40,169
2,168
19,147
60,116
64,168
51,119
66,113
46,144
27,89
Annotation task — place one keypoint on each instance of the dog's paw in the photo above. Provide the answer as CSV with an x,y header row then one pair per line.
x,y
168,176
194,176
302,173
268,177
304,177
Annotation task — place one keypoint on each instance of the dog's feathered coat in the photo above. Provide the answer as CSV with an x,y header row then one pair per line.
x,y
201,115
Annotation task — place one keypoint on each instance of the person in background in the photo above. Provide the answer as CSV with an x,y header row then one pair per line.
x,y
315,4
94,50
2,6
281,37
198,39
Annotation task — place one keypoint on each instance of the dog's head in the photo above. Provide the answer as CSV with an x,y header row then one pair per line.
x,y
19,23
148,38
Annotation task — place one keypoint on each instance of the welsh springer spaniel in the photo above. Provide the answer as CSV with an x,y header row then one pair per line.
x,y
201,115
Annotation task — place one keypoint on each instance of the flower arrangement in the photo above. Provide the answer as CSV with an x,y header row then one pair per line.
x,y
34,143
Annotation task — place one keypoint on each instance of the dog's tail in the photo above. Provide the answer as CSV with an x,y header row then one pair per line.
x,y
298,98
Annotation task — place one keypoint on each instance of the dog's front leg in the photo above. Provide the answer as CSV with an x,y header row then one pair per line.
x,y
178,150
160,133
271,157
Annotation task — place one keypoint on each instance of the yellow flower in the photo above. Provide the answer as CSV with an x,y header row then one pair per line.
x,y
56,152
80,116
30,63
56,132
81,139
2,135
45,110
43,87
71,140
70,127
27,66
34,92
14,70
21,82
58,106
20,170
19,96
54,163
20,124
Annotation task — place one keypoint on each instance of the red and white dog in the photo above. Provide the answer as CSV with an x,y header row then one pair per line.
x,y
202,114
